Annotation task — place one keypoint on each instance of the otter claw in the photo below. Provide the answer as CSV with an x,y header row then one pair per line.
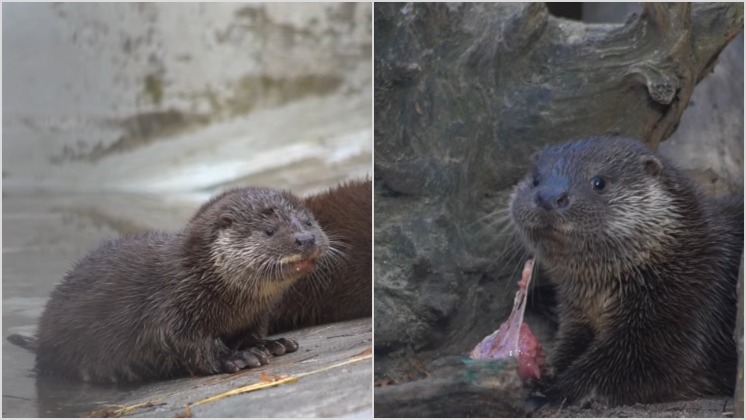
x,y
260,354
232,366
280,346
290,345
251,358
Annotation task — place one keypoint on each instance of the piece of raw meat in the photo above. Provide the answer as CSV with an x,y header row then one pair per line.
x,y
514,338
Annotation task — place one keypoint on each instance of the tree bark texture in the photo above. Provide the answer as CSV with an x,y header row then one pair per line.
x,y
457,387
464,94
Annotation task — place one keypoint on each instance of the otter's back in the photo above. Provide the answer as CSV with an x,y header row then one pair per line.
x,y
101,304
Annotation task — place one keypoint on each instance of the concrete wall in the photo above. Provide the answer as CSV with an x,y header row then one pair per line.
x,y
179,97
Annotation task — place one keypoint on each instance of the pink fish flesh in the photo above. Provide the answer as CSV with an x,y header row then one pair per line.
x,y
514,338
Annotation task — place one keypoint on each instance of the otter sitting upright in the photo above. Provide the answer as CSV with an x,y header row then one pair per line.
x,y
197,301
645,267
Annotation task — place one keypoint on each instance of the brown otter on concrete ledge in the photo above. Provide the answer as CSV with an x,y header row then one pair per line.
x,y
197,301
645,267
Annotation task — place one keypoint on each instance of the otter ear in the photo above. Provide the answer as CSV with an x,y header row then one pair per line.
x,y
653,166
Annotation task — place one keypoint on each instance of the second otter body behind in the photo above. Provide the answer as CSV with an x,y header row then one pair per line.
x,y
197,301
645,268
341,287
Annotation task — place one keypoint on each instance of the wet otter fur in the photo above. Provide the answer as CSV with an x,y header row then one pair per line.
x,y
197,301
341,286
645,269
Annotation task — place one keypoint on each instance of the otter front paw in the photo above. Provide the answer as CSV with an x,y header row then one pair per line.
x,y
280,346
252,358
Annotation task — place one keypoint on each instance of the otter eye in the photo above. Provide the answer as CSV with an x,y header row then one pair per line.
x,y
269,231
598,183
309,223
536,181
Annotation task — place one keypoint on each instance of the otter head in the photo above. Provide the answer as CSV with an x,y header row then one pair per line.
x,y
258,237
595,207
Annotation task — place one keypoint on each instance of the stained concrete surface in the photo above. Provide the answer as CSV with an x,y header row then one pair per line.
x,y
329,376
334,373
110,96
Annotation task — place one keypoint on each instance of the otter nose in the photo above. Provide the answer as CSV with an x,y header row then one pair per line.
x,y
305,240
551,199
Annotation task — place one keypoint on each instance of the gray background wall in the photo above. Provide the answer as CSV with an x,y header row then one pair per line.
x,y
180,97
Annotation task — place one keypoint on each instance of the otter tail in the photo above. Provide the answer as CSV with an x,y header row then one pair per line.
x,y
27,342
